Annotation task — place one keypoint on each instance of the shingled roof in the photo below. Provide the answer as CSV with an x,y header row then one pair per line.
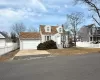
x,y
89,26
1,36
30,35
53,30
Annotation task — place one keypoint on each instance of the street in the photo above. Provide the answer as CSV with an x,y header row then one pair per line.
x,y
76,67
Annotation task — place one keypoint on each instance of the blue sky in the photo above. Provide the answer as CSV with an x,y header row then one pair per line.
x,y
36,12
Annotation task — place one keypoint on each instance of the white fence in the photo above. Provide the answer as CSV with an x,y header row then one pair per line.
x,y
87,44
9,47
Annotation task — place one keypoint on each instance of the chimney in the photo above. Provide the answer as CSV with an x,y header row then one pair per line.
x,y
57,24
62,25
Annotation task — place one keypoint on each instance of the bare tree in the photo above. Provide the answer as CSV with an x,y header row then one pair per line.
x,y
6,35
13,37
93,6
17,28
32,29
73,20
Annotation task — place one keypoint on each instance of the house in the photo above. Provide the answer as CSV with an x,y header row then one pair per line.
x,y
89,33
6,44
2,40
30,40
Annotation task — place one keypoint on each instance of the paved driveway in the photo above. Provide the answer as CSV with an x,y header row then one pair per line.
x,y
31,52
80,67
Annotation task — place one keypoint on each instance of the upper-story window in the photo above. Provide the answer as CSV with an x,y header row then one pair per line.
x,y
60,30
93,30
47,28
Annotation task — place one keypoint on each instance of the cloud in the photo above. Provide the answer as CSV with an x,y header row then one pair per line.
x,y
13,11
9,16
35,12
33,4
57,2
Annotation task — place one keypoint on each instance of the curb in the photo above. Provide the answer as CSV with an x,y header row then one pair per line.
x,y
30,56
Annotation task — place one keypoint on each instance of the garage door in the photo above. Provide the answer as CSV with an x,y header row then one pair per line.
x,y
30,44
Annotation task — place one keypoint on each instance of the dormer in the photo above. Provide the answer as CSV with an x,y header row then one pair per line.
x,y
60,29
47,28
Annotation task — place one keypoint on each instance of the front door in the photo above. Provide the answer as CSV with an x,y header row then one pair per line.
x,y
58,40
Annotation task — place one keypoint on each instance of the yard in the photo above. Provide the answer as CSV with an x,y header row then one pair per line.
x,y
9,55
67,51
73,51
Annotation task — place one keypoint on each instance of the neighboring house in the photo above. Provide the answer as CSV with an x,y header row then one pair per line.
x,y
89,33
6,44
7,38
30,40
2,40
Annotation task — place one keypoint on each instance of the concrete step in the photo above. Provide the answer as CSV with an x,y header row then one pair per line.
x,y
60,46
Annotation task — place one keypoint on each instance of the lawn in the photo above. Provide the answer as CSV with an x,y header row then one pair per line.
x,y
73,51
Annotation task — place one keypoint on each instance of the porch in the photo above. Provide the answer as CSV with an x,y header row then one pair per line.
x,y
94,38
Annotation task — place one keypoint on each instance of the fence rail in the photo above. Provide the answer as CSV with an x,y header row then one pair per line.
x,y
9,47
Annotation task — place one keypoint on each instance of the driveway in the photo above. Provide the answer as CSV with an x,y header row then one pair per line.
x,y
76,67
31,52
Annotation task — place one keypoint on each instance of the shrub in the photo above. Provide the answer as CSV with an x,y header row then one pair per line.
x,y
40,46
47,45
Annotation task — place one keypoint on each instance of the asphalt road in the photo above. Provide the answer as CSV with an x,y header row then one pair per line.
x,y
81,67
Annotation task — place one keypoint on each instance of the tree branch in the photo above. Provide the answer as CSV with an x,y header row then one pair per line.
x,y
93,6
96,21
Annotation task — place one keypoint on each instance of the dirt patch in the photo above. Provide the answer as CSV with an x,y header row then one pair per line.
x,y
75,51
8,55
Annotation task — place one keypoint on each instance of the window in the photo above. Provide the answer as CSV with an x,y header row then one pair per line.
x,y
62,38
47,28
60,30
47,38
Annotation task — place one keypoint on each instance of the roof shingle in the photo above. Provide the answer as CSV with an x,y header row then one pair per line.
x,y
30,35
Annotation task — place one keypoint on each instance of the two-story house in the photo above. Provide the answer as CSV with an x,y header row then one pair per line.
x,y
89,33
30,40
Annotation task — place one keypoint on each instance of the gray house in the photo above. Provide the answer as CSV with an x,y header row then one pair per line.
x,y
89,33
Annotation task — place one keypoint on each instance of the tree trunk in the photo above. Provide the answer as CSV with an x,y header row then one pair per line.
x,y
75,36
75,40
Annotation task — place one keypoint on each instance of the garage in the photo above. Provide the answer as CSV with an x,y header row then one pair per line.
x,y
29,40
30,44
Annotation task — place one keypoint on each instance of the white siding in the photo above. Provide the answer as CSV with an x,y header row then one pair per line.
x,y
58,38
29,44
43,38
2,42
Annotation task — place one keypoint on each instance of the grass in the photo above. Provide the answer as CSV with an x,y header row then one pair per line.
x,y
73,51
8,56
